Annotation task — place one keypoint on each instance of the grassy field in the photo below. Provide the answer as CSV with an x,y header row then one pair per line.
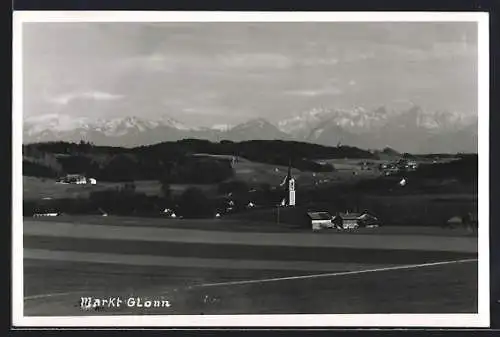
x,y
242,224
346,170
257,173
420,290
39,188
195,270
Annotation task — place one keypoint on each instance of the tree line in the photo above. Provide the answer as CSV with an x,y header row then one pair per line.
x,y
174,161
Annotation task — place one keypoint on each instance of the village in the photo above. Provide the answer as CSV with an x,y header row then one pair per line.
x,y
316,218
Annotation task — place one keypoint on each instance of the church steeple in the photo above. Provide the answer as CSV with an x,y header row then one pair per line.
x,y
289,186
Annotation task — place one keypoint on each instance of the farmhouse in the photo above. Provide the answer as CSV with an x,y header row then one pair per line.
x,y
355,220
74,179
368,220
411,165
347,220
389,169
454,221
468,220
320,220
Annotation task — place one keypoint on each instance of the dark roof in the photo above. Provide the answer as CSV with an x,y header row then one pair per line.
x,y
74,176
455,219
319,215
350,216
367,216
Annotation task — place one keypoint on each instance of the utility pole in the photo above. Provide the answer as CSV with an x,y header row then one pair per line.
x,y
278,213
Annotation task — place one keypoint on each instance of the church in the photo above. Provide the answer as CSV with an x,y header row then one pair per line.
x,y
289,184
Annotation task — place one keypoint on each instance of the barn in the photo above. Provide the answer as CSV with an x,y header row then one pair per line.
x,y
368,220
355,220
74,179
320,220
348,220
468,220
454,221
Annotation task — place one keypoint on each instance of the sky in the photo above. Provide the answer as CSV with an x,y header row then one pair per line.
x,y
216,73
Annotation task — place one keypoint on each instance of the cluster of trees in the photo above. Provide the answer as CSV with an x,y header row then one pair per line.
x,y
129,167
464,170
175,159
39,169
61,147
458,176
123,201
41,164
193,203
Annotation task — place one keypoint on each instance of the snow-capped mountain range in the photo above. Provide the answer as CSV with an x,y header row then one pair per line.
x,y
409,130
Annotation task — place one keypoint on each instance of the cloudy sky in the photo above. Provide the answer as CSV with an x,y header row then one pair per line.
x,y
213,73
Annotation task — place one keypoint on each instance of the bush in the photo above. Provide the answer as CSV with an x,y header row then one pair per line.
x,y
193,203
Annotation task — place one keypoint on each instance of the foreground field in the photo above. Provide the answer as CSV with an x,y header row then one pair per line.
x,y
242,223
223,272
450,288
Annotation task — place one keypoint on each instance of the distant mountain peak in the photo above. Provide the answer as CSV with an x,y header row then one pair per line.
x,y
258,122
221,127
167,120
409,130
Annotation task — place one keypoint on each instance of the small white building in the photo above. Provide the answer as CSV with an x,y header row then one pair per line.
x,y
411,165
45,214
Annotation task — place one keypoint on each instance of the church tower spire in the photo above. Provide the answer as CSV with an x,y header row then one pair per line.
x,y
290,186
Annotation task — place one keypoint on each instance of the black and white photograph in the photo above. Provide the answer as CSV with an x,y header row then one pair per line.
x,y
241,169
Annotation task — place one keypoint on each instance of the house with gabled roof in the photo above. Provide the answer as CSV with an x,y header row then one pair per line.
x,y
355,220
320,220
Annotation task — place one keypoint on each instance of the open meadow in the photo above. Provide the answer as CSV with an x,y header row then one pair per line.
x,y
201,269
